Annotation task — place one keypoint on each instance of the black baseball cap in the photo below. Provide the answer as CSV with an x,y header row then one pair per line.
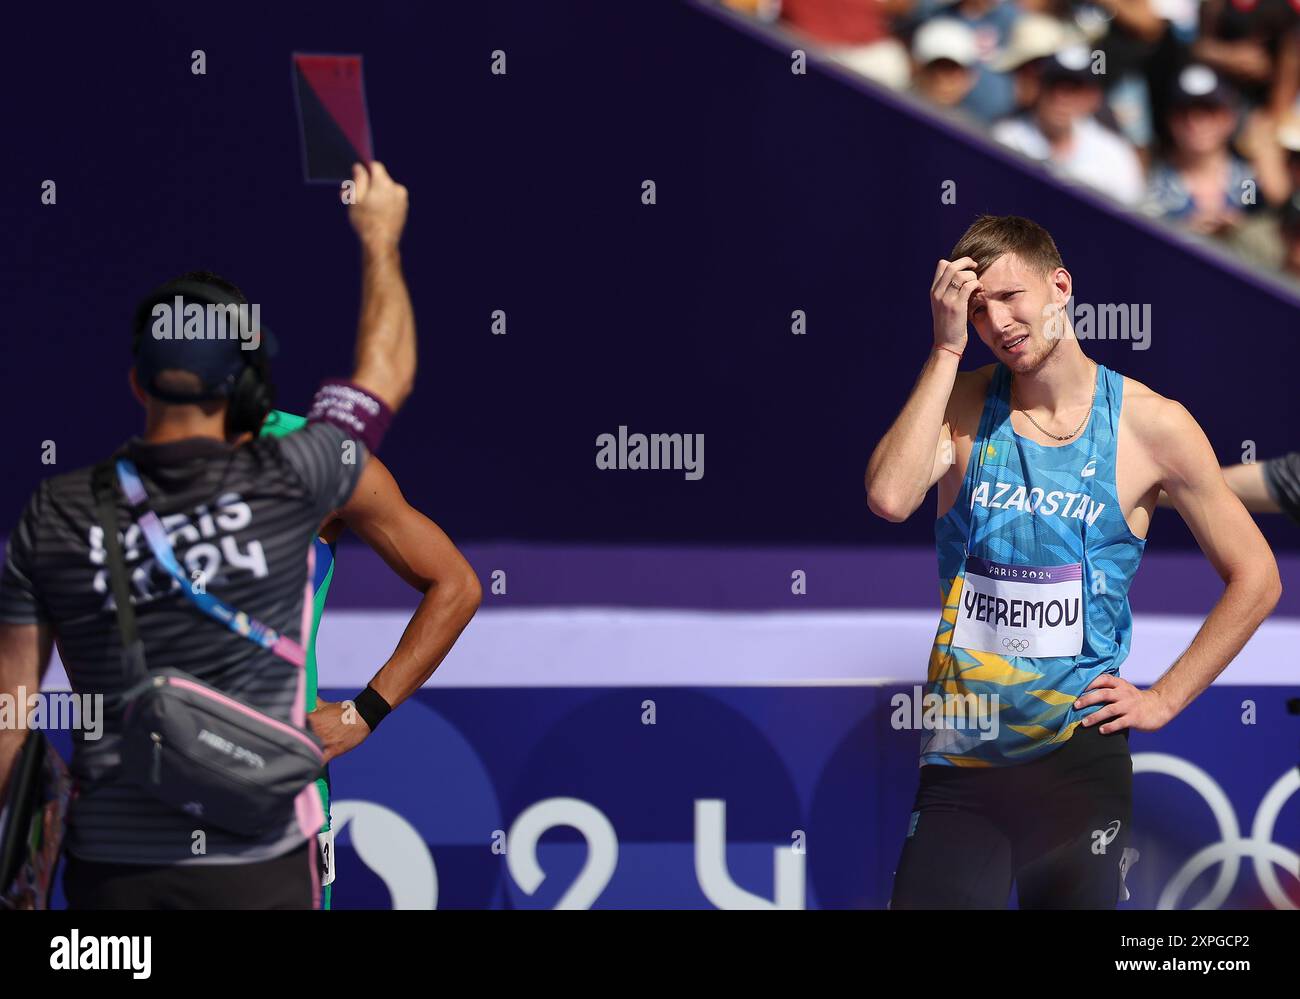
x,y
1200,85
202,328
1072,64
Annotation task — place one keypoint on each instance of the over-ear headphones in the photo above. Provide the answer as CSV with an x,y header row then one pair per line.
x,y
251,395
252,398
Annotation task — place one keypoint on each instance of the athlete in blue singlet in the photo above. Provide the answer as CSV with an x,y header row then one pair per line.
x,y
1034,506
1048,467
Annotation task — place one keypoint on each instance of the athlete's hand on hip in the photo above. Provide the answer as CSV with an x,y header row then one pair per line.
x,y
954,283
338,725
378,211
1125,706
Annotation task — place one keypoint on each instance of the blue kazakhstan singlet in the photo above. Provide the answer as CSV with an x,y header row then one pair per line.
x,y
1051,560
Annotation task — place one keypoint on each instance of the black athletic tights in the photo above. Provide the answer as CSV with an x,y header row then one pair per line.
x,y
285,882
1056,826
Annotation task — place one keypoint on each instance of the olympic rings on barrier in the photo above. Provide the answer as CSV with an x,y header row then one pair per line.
x,y
1232,847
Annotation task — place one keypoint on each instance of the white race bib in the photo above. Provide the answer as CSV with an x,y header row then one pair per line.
x,y
325,841
1021,610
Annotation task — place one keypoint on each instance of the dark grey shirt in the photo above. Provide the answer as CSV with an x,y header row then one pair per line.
x,y
1282,475
246,518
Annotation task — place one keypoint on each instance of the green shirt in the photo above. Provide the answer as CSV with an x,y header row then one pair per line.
x,y
278,424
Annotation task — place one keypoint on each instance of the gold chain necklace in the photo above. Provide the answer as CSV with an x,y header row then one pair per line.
x,y
1043,429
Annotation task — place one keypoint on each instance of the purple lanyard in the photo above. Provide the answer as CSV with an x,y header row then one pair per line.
x,y
237,621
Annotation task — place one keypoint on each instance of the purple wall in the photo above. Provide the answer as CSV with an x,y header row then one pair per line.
x,y
775,193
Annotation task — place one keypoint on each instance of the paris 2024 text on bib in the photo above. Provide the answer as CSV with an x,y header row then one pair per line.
x,y
1021,610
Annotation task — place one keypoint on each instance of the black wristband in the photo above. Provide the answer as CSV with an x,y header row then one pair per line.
x,y
371,707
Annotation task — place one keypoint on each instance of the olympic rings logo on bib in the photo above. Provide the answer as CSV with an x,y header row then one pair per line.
x,y
1009,609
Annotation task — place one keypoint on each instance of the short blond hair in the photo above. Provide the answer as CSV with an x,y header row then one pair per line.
x,y
992,236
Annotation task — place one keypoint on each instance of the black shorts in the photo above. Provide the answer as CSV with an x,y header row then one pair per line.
x,y
284,882
1057,827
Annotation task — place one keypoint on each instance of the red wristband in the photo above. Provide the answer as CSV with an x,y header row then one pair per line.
x,y
939,346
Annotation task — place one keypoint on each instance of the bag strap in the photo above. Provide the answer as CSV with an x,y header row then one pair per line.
x,y
236,620
133,662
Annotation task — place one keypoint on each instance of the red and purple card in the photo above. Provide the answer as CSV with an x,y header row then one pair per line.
x,y
332,118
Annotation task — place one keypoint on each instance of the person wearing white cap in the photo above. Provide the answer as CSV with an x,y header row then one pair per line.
x,y
1202,182
943,53
1062,132
990,95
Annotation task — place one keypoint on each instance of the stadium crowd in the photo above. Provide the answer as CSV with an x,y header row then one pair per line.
x,y
1187,110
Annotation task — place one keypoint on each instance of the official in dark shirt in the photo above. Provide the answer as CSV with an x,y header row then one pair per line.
x,y
241,514
1269,486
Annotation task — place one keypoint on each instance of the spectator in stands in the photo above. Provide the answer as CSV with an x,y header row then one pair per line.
x,y
1202,182
1034,39
855,33
1285,98
1291,237
1133,33
1062,131
943,53
992,21
1241,40
1275,152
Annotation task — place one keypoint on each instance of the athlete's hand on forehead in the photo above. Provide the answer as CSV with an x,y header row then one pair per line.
x,y
954,283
